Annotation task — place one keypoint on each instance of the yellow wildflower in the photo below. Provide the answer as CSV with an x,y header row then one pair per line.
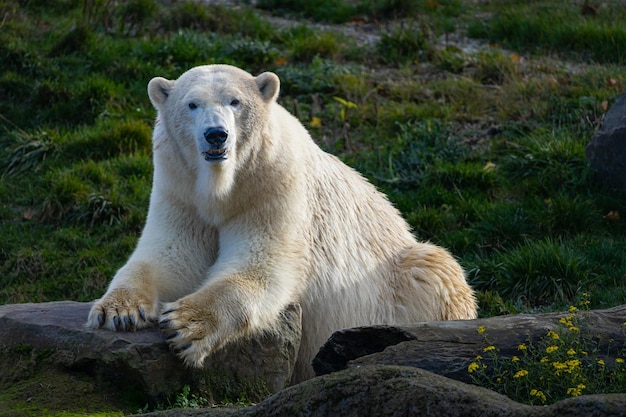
x,y
538,394
571,352
478,357
572,364
521,373
619,360
472,367
551,349
601,362
553,335
567,321
514,359
567,366
572,309
521,347
575,392
574,329
481,329
489,348
544,359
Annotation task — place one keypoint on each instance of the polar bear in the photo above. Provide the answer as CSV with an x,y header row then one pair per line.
x,y
248,214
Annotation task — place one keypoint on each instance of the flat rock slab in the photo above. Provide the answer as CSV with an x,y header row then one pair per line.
x,y
52,336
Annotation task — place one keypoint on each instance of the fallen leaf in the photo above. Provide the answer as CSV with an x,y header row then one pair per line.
x,y
490,167
605,106
612,216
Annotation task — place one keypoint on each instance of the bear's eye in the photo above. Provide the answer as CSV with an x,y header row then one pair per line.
x,y
193,106
235,102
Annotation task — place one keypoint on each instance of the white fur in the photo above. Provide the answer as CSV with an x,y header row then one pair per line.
x,y
228,244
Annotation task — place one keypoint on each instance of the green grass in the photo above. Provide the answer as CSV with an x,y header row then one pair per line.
x,y
482,149
591,34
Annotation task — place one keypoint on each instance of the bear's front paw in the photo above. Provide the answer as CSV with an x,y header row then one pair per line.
x,y
123,309
189,331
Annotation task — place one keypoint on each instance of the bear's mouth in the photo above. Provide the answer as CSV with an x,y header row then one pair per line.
x,y
215,154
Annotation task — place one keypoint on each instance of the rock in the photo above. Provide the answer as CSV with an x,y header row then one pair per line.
x,y
378,391
51,337
447,347
606,152
367,367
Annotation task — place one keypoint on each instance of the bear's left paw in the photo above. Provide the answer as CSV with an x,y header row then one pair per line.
x,y
189,331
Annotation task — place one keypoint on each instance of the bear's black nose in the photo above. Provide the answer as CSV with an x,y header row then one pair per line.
x,y
216,136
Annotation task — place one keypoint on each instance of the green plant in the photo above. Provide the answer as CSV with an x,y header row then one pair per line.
x,y
186,399
566,362
308,44
405,42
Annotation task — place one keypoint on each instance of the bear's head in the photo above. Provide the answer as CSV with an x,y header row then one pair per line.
x,y
214,111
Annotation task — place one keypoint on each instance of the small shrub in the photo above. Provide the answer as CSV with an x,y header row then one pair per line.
x,y
77,41
495,68
251,54
204,17
404,43
28,152
542,272
565,363
307,44
135,15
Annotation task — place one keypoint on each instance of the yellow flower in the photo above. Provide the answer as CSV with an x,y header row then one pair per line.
x,y
572,364
572,309
567,366
489,348
619,360
315,122
601,362
574,329
514,359
567,321
521,373
551,349
481,330
571,352
521,347
544,359
575,392
478,357
472,367
538,394
553,335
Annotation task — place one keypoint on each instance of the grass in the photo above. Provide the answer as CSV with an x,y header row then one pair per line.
x,y
472,116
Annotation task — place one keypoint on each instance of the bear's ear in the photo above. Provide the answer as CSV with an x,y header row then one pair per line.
x,y
158,90
269,85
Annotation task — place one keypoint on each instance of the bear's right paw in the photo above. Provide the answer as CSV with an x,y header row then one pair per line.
x,y
123,310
